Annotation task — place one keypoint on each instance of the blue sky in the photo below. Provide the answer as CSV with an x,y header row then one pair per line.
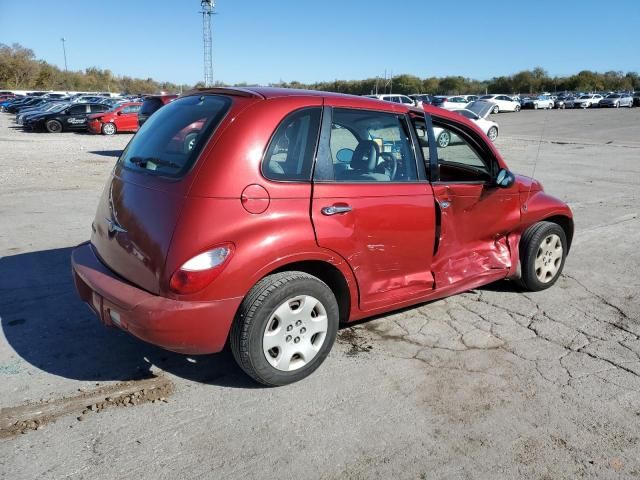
x,y
261,42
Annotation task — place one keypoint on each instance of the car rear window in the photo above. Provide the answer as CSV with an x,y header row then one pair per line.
x,y
150,105
170,141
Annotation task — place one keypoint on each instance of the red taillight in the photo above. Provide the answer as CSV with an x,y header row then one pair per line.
x,y
201,270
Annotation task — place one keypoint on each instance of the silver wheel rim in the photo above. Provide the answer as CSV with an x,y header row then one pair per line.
x,y
493,133
548,258
443,140
295,333
109,129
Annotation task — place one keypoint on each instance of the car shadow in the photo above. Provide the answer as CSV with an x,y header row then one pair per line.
x,y
107,153
48,326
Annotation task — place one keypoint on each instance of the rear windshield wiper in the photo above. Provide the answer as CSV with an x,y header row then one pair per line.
x,y
142,162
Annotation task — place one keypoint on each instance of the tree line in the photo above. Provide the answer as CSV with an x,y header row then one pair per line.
x,y
20,70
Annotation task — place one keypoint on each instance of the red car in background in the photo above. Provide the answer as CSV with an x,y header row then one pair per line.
x,y
264,218
123,118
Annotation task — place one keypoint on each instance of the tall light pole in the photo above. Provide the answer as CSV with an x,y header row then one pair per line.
x,y
64,51
207,40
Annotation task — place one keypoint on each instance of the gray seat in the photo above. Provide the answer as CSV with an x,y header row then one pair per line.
x,y
364,163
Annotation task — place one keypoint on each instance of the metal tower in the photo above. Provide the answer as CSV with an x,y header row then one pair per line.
x,y
207,40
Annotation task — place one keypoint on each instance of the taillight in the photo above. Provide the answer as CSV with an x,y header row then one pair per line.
x,y
201,270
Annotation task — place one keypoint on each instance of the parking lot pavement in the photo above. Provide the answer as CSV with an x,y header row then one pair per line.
x,y
492,383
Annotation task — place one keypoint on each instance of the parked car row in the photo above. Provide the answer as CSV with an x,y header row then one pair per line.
x,y
56,113
509,103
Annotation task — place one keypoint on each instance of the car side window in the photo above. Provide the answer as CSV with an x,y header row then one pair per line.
x,y
458,160
369,146
77,110
292,147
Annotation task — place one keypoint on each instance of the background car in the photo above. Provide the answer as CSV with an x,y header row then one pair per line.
x,y
421,99
617,100
587,100
502,103
121,118
454,102
151,104
478,112
395,98
541,101
73,117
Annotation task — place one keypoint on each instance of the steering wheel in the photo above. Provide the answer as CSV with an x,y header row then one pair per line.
x,y
391,162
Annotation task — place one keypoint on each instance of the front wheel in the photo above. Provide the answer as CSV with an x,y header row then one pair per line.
x,y
444,139
496,109
517,108
285,328
108,128
543,249
492,134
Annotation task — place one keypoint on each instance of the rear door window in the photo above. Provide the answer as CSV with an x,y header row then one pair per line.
x,y
292,147
170,141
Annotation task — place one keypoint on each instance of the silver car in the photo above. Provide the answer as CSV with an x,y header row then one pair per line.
x,y
617,100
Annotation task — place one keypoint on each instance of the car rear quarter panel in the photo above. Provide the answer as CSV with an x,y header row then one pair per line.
x,y
214,210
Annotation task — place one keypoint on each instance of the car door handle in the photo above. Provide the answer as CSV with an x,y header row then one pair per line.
x,y
336,209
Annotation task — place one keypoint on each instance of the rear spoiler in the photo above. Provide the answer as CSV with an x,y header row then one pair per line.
x,y
235,91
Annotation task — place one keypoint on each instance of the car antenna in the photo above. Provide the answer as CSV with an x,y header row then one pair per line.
x,y
535,162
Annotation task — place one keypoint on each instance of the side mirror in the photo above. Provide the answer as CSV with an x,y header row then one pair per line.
x,y
120,112
505,178
344,155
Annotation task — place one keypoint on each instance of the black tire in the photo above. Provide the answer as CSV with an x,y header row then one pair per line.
x,y
109,129
444,139
257,308
53,126
496,109
517,108
530,243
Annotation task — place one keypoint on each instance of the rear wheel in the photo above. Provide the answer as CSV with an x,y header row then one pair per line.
x,y
109,128
190,141
492,134
496,109
543,249
517,108
53,126
285,328
444,139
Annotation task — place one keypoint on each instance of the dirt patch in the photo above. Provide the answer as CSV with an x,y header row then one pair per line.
x,y
32,416
356,343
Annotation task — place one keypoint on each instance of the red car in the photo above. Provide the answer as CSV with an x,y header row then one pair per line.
x,y
293,211
123,118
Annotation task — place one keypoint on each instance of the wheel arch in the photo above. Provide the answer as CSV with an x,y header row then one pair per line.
x,y
330,275
566,223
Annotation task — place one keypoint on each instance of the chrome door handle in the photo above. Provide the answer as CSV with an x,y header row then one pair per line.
x,y
335,209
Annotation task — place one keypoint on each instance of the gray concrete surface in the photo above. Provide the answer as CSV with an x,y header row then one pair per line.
x,y
492,383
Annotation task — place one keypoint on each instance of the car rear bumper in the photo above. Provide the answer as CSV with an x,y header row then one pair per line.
x,y
191,327
94,127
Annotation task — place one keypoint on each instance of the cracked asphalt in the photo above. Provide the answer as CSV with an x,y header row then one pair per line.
x,y
493,383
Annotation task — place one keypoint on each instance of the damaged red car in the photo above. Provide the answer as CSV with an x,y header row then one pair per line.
x,y
283,213
123,118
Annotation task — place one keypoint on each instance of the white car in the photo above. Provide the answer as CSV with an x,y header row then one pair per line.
x,y
587,100
541,101
503,103
477,112
395,98
454,102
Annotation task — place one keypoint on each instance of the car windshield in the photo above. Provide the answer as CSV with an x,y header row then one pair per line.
x,y
467,113
170,141
613,95
585,96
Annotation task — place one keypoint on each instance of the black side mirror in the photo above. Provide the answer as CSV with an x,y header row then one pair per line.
x,y
505,178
